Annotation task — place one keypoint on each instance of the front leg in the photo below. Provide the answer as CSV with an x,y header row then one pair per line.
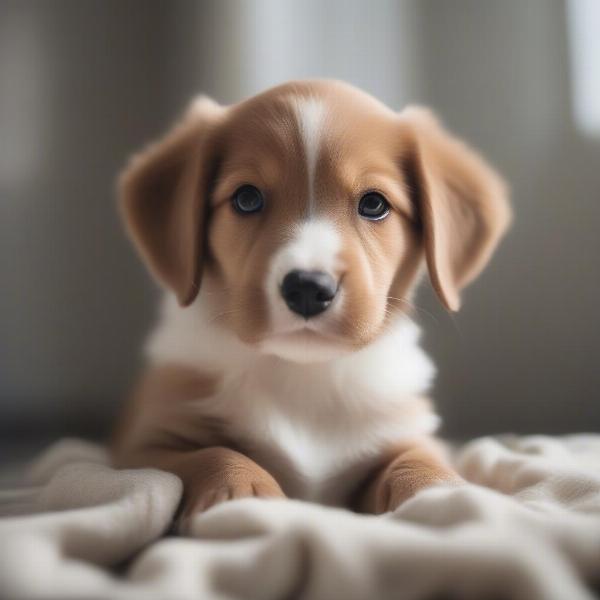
x,y
158,429
210,476
410,467
214,475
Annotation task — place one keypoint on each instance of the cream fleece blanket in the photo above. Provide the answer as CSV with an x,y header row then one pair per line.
x,y
527,526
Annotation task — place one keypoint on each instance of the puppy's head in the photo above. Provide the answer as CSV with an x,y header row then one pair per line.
x,y
306,213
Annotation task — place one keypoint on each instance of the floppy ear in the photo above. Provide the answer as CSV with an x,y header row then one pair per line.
x,y
462,203
163,199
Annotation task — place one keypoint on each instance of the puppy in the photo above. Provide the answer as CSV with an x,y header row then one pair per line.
x,y
289,232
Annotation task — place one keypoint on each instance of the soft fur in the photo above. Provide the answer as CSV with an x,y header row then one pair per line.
x,y
244,397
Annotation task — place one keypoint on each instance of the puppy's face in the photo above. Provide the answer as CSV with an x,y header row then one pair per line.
x,y
307,211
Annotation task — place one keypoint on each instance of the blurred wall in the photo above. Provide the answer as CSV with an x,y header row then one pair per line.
x,y
522,355
82,84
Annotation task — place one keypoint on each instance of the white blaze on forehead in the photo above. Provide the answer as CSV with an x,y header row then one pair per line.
x,y
314,246
310,113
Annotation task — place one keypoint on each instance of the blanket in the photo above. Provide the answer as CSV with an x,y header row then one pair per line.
x,y
525,526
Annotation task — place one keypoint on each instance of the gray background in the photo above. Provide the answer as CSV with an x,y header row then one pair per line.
x,y
84,83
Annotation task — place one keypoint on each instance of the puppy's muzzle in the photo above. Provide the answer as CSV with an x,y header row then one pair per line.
x,y
308,293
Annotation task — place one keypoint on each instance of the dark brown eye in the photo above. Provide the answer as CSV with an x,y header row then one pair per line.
x,y
247,200
373,206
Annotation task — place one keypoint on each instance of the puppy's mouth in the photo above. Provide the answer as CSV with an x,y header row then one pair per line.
x,y
307,332
310,341
322,326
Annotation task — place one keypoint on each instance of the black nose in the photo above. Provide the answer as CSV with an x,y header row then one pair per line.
x,y
308,293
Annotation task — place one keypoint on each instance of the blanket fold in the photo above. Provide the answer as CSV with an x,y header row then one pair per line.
x,y
526,526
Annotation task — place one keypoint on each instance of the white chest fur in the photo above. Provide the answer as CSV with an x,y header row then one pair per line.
x,y
322,419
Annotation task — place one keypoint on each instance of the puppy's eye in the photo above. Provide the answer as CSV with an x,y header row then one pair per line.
x,y
373,206
247,200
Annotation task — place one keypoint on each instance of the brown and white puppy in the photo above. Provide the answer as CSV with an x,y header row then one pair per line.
x,y
289,232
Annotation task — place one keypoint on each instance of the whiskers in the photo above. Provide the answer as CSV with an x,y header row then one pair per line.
x,y
240,301
216,318
246,307
413,307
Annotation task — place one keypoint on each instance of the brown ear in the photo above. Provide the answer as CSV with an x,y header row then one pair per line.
x,y
461,201
163,199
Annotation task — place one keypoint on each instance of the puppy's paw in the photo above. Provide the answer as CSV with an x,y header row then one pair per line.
x,y
212,493
403,478
227,475
233,490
